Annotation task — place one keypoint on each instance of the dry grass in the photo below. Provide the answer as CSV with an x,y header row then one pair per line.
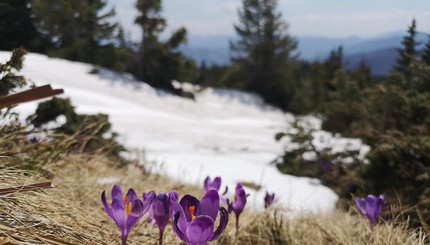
x,y
333,228
71,212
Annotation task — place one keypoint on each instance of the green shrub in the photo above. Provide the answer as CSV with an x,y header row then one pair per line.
x,y
91,133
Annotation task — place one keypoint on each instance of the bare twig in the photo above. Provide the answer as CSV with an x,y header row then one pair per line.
x,y
31,187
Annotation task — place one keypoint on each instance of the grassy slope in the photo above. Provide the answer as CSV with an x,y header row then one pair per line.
x,y
71,212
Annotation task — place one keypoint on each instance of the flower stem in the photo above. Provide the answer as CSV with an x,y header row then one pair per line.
x,y
237,226
160,239
161,234
124,240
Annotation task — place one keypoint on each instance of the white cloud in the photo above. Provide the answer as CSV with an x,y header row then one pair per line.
x,y
215,27
227,8
289,1
215,19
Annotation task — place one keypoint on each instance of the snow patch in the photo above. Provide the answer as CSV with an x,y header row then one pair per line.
x,y
222,132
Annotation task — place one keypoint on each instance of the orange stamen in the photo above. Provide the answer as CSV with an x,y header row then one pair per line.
x,y
127,206
192,209
128,209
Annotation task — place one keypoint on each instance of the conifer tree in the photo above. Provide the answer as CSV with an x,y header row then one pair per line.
x,y
408,52
159,62
9,80
16,24
425,56
264,50
334,61
77,30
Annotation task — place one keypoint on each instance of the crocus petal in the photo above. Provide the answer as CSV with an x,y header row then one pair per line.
x,y
186,202
361,204
199,231
137,208
240,202
222,223
225,191
177,230
160,205
207,182
131,195
176,208
160,210
373,207
148,201
173,195
268,199
216,184
144,196
119,214
135,214
381,203
212,185
209,204
106,206
117,193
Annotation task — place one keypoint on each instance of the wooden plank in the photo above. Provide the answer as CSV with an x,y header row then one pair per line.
x,y
29,95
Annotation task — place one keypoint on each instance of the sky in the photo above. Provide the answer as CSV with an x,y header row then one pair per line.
x,y
327,18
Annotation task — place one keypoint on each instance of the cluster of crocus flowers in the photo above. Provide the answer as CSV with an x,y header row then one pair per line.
x,y
371,206
193,220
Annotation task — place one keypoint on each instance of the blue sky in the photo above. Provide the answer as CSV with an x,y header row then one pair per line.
x,y
329,18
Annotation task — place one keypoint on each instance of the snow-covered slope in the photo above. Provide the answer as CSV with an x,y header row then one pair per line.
x,y
222,133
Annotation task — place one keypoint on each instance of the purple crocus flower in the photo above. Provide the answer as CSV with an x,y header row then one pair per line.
x,y
371,206
194,220
268,199
126,210
160,210
215,184
238,204
33,139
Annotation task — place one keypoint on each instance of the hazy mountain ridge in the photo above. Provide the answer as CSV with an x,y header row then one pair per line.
x,y
381,61
378,52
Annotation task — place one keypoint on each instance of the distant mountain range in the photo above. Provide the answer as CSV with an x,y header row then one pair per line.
x,y
378,52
